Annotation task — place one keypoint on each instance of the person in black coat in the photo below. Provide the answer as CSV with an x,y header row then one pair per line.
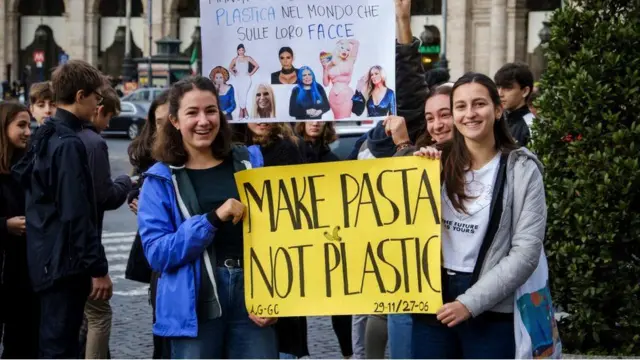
x,y
19,304
67,262
316,137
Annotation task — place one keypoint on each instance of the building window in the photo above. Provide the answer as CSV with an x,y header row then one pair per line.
x,y
426,7
41,7
189,8
543,5
118,8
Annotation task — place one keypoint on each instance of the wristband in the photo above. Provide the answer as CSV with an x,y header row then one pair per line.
x,y
214,219
403,146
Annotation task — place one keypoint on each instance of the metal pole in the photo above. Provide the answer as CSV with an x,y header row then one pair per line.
x,y
127,41
150,68
444,64
127,64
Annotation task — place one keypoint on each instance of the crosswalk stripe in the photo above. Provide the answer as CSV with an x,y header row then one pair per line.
x,y
108,235
118,240
117,267
118,256
143,290
117,248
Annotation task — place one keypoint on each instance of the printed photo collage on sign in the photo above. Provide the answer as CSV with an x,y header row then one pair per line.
x,y
283,60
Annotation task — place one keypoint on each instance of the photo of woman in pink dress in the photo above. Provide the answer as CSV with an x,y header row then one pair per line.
x,y
337,70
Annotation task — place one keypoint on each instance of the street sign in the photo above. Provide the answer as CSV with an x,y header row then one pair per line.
x,y
64,58
38,58
429,49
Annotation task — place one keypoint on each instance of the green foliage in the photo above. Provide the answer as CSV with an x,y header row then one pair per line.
x,y
592,89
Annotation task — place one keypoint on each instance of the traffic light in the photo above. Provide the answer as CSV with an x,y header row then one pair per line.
x,y
430,47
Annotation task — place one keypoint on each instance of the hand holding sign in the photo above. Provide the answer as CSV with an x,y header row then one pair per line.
x,y
232,209
429,152
262,321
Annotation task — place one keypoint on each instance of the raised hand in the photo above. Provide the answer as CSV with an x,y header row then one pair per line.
x,y
403,8
396,127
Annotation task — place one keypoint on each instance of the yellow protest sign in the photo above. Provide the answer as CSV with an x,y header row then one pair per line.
x,y
353,237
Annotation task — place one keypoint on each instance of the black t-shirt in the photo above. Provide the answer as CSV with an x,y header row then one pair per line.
x,y
213,187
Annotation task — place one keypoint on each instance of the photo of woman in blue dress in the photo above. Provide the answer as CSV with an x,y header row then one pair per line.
x,y
308,99
227,94
372,92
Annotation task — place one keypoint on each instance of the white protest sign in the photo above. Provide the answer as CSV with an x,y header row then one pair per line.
x,y
297,60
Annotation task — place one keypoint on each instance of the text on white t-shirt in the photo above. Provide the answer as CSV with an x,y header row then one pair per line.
x,y
462,234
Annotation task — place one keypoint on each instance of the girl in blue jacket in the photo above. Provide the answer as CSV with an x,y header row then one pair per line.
x,y
189,218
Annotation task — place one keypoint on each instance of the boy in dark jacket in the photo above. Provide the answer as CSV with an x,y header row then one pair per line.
x,y
66,260
515,84
110,195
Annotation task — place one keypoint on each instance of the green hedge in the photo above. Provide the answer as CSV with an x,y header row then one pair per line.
x,y
588,140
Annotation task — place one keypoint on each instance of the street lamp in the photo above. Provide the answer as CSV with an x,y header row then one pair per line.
x,y
127,64
545,33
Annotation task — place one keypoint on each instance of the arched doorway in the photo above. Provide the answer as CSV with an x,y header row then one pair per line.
x,y
111,30
37,23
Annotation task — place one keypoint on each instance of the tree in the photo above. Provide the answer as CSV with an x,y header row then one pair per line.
x,y
588,140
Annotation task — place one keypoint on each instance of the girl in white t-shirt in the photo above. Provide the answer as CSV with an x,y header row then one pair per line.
x,y
492,194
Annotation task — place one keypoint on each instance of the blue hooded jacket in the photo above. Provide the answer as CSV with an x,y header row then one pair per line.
x,y
174,247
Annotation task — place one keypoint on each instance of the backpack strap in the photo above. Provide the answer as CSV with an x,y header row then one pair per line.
x,y
495,213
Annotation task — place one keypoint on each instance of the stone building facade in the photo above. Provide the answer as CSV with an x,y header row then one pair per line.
x,y
481,34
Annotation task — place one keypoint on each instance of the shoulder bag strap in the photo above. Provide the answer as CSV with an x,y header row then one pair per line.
x,y
495,213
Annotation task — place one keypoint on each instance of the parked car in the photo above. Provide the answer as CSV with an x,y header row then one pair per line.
x,y
146,95
130,121
347,137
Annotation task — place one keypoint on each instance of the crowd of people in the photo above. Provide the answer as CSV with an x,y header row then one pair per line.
x,y
56,184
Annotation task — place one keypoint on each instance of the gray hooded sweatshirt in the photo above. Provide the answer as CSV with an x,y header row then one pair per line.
x,y
515,250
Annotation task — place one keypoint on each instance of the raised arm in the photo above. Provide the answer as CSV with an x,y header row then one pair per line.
x,y
325,76
411,86
355,46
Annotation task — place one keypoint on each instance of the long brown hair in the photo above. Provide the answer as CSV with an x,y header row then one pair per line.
x,y
327,135
8,112
456,156
169,146
140,148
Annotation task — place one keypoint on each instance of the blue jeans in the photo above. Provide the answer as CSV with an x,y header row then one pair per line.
x,y
399,326
233,335
484,337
